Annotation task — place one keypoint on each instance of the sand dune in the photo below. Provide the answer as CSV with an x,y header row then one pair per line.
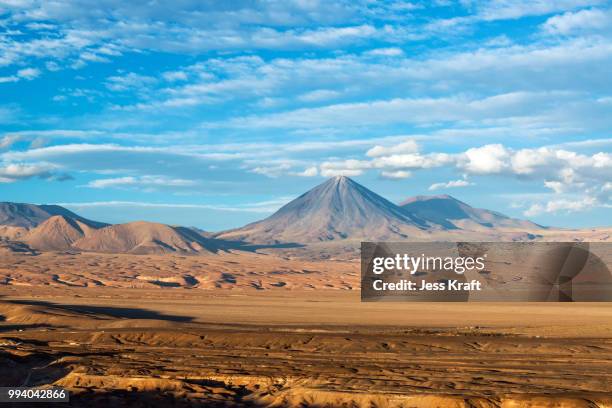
x,y
224,270
266,330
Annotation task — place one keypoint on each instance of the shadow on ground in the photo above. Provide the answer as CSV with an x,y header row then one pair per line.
x,y
249,247
97,312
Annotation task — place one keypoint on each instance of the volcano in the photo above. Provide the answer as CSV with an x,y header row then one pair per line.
x,y
338,209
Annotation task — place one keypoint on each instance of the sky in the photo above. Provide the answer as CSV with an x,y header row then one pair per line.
x,y
215,114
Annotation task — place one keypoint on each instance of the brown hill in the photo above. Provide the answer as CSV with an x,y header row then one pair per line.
x,y
338,209
145,238
57,233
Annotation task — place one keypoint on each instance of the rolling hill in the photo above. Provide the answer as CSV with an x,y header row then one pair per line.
x,y
142,237
54,228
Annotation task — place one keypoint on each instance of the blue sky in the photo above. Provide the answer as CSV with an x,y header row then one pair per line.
x,y
214,114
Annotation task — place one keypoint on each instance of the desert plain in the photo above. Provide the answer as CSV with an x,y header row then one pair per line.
x,y
265,330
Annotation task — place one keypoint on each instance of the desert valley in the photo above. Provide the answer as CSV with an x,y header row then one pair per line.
x,y
268,315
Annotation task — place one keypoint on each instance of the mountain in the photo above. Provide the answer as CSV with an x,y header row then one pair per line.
x,y
452,214
142,237
31,215
57,233
338,209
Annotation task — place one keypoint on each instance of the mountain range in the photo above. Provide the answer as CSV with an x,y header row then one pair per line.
x,y
30,215
337,210
341,208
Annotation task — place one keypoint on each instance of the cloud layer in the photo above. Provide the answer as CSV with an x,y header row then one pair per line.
x,y
244,102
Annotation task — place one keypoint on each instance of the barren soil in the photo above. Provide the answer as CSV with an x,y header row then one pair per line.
x,y
146,335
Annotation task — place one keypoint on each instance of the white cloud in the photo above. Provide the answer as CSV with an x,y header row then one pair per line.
x,y
409,146
142,181
526,161
532,68
11,172
255,207
308,172
562,171
321,37
386,52
579,21
395,175
76,33
174,76
8,140
318,95
7,79
88,56
129,81
413,161
601,160
83,149
28,73
557,186
333,172
348,168
547,163
519,108
25,73
561,205
273,170
514,9
69,149
57,133
489,159
450,184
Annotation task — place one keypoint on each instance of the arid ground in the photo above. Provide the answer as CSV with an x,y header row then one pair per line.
x,y
173,336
